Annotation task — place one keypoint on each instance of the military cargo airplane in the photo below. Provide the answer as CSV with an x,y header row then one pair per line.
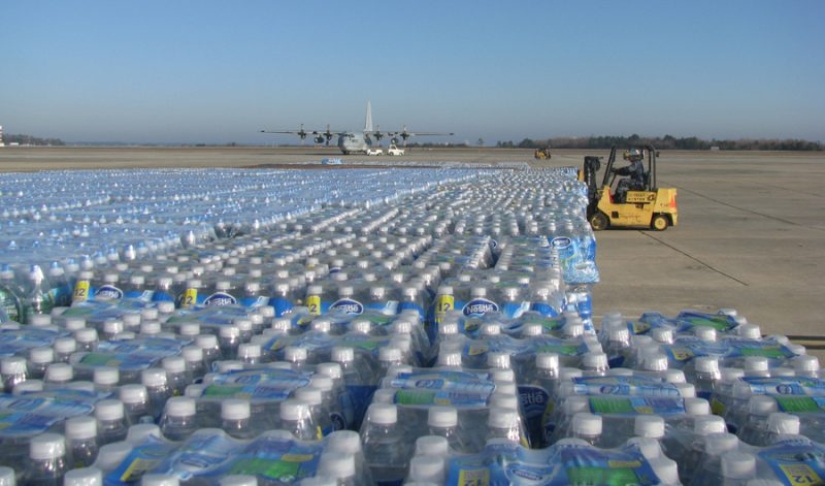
x,y
352,142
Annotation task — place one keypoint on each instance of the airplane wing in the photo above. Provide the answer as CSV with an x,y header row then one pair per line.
x,y
405,134
319,136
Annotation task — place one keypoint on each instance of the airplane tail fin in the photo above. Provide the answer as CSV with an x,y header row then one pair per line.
x,y
368,122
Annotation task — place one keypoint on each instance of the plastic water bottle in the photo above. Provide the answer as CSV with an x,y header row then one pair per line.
x,y
111,419
195,364
229,338
13,371
47,461
7,476
64,347
58,374
235,418
296,418
759,408
385,449
587,427
81,441
176,375
427,469
442,420
349,442
157,389
709,469
340,466
135,400
318,408
179,419
39,359
504,423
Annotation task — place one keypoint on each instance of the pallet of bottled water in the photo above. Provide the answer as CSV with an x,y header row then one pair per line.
x,y
363,327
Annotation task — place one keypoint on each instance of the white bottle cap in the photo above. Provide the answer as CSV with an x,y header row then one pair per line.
x,y
341,354
716,444
749,331
586,424
652,426
336,464
762,405
382,414
783,423
503,418
80,428
547,361
705,333
490,329
74,323
194,390
731,374
310,395
106,376
329,370
503,375
594,361
384,395
40,320
109,409
435,445
507,387
738,465
235,409
442,416
59,373
667,470
531,330
294,410
113,327
427,468
709,424
64,345
576,404
47,446
192,353
504,400
706,364
152,479
663,335
249,351
131,321
449,359
806,364
686,390
153,377
238,480
346,441
390,354
229,332
84,476
756,364
181,407
697,406
41,355
174,364
86,335
13,365
295,354
654,362
133,393
206,341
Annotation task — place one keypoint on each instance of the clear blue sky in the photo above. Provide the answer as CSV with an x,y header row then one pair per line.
x,y
215,72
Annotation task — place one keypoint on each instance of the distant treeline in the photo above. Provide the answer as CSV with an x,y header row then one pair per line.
x,y
666,142
9,138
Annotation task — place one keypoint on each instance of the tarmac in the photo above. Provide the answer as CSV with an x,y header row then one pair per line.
x,y
751,234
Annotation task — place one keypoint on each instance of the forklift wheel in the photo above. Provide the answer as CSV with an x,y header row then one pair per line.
x,y
660,222
599,221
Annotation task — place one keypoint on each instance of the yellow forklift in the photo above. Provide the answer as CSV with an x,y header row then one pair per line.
x,y
622,203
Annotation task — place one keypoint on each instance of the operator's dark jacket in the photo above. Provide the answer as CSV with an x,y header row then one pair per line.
x,y
636,171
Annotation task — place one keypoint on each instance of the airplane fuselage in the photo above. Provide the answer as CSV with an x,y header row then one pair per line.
x,y
354,143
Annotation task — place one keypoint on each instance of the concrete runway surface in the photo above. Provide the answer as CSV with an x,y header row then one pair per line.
x,y
751,232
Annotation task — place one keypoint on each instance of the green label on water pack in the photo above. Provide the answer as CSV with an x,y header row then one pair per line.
x,y
800,404
598,475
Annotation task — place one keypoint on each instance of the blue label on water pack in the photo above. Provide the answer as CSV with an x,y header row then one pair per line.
x,y
795,461
282,306
624,385
785,386
144,458
479,307
347,306
204,452
108,292
220,299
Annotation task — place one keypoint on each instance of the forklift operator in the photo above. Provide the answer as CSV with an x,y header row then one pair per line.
x,y
634,175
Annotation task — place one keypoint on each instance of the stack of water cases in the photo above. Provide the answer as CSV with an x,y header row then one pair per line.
x,y
364,327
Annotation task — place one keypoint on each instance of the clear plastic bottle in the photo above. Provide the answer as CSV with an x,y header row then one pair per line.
x,y
157,389
195,364
176,377
135,400
81,441
47,461
236,418
64,347
386,452
112,424
442,420
87,339
58,374
39,359
349,442
427,469
106,379
211,351
339,465
229,338
296,418
179,419
13,370
587,427
319,410
503,423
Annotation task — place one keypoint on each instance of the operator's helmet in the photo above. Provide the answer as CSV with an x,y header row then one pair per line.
x,y
632,154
